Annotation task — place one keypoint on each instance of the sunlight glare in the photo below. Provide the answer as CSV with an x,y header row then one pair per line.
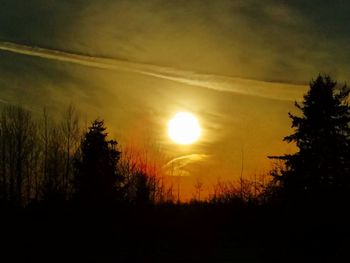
x,y
184,128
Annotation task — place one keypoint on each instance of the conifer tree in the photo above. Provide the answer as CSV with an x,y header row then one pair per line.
x,y
321,165
97,178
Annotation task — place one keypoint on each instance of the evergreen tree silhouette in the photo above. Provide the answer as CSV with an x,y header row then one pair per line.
x,y
321,165
96,170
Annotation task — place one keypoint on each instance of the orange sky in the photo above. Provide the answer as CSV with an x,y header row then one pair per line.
x,y
237,65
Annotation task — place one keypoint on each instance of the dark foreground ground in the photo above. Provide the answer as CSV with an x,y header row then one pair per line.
x,y
186,233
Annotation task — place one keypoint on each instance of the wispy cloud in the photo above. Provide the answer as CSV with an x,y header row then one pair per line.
x,y
271,90
175,167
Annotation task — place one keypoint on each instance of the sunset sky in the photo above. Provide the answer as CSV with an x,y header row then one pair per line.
x,y
238,66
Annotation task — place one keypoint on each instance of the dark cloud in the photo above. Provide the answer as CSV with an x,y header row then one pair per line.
x,y
266,40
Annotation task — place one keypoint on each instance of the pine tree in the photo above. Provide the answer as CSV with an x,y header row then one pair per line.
x,y
321,165
96,169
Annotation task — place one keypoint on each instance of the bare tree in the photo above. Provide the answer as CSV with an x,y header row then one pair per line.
x,y
198,185
243,190
18,132
134,162
71,136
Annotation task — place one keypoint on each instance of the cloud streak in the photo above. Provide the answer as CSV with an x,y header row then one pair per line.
x,y
193,157
270,90
177,164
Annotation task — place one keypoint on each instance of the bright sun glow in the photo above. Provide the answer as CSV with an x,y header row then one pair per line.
x,y
184,128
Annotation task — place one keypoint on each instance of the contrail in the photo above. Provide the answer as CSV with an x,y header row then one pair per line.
x,y
96,62
270,90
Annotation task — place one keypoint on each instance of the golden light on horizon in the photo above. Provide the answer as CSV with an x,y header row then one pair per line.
x,y
184,128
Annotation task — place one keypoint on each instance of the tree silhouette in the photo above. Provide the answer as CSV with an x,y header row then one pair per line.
x,y
70,137
96,168
198,185
143,189
321,164
18,154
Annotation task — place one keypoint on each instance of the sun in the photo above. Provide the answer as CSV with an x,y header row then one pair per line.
x,y
184,128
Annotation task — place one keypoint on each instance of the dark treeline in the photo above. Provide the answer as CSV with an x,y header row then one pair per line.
x,y
47,160
75,184
37,155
